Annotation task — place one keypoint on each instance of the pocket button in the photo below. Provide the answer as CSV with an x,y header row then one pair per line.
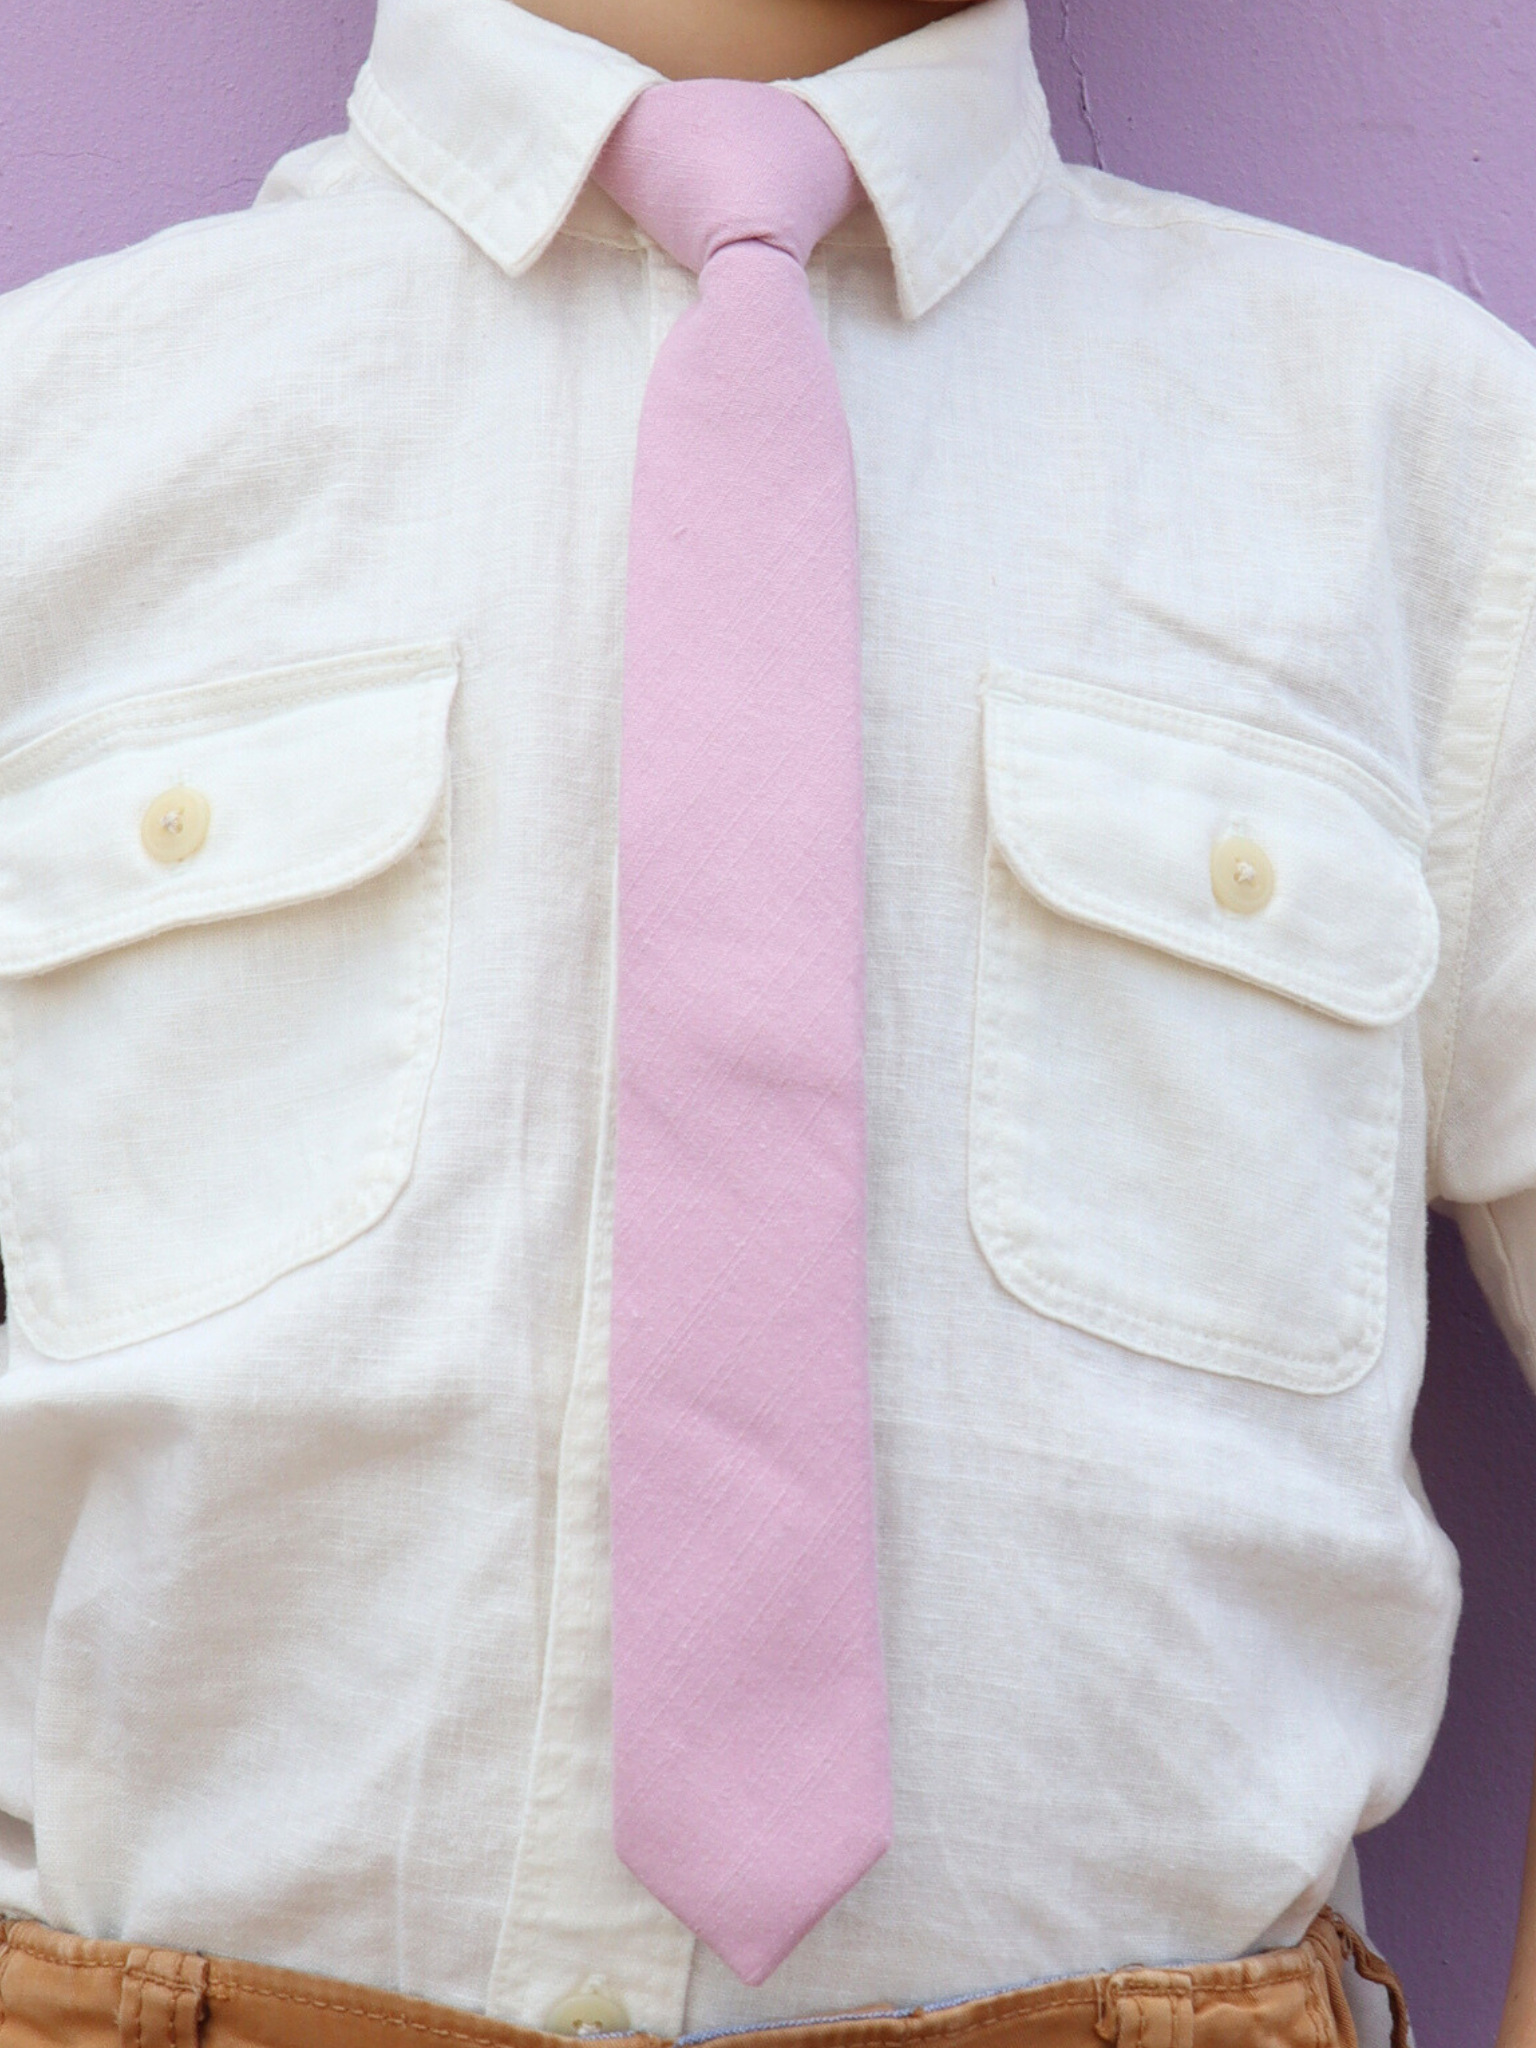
x,y
1242,875
175,825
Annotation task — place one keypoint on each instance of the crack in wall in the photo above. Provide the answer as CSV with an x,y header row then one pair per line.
x,y
1080,77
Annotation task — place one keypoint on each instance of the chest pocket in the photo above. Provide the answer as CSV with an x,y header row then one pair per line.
x,y
223,961
1200,946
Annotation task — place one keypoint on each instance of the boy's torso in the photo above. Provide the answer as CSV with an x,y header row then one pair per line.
x,y
1178,531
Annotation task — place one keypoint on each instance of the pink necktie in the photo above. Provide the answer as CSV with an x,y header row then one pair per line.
x,y
751,1761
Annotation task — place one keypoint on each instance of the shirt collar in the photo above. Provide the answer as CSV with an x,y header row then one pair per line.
x,y
496,118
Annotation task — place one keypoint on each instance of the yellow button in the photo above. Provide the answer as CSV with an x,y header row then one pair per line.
x,y
588,2011
1242,875
175,825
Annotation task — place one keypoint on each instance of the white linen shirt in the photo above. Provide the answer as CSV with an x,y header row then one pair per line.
x,y
1200,696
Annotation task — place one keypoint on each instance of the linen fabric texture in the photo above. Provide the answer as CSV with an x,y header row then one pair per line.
x,y
751,1751
1176,528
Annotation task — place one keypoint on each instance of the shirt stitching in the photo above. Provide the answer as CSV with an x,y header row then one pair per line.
x,y
1223,1350
450,177
277,888
1465,872
1178,211
380,1180
1406,822
926,276
205,708
1273,964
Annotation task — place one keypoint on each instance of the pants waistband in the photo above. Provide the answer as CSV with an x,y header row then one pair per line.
x,y
68,1992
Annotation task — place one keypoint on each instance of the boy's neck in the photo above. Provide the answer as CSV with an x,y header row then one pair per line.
x,y
760,39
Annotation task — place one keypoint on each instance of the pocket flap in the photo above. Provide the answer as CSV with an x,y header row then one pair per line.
x,y
314,778
1109,810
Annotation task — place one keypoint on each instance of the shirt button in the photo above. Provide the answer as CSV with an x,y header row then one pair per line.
x,y
175,825
588,2011
1242,875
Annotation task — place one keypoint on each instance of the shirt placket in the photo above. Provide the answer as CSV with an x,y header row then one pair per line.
x,y
577,1924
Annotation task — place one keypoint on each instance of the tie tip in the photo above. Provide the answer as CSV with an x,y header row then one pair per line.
x,y
753,1948
752,1912
754,1961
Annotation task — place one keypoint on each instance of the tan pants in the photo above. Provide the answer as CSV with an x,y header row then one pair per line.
x,y
61,1989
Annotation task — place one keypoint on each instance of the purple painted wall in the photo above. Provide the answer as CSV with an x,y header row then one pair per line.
x,y
1400,125
116,121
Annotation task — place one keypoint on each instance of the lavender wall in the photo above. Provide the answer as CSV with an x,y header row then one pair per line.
x,y
116,121
1400,125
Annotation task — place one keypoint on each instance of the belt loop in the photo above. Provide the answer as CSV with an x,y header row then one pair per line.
x,y
164,1999
1147,2009
1375,1970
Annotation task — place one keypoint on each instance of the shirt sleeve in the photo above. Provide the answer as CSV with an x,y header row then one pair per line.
x,y
1483,1148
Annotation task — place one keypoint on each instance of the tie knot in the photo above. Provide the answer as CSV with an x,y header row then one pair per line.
x,y
705,162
